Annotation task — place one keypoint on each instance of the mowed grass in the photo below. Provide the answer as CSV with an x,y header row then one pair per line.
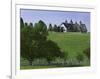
x,y
71,42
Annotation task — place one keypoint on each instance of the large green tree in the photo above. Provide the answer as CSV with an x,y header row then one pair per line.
x,y
31,38
34,43
40,31
28,45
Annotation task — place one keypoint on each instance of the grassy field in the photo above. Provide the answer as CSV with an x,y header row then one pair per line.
x,y
69,42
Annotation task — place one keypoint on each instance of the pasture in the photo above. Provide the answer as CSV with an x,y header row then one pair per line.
x,y
71,42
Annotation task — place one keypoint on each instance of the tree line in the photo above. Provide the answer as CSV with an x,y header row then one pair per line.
x,y
69,27
56,28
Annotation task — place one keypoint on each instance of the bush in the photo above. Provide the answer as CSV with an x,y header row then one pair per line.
x,y
87,52
80,58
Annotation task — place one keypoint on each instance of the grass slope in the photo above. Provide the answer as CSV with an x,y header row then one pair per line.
x,y
71,42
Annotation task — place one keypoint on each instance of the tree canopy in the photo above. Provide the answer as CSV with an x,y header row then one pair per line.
x,y
34,42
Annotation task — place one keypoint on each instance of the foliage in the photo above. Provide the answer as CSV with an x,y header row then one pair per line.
x,y
55,28
34,43
50,27
51,50
21,23
87,52
28,45
79,57
62,29
31,38
40,31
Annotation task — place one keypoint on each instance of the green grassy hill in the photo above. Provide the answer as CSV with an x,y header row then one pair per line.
x,y
71,42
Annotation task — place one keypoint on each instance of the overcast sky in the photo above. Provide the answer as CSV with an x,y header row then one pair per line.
x,y
54,17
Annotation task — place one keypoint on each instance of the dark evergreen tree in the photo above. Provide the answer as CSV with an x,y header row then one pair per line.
x,y
83,27
50,27
21,23
66,22
62,29
31,25
76,27
80,22
59,29
71,22
55,28
26,24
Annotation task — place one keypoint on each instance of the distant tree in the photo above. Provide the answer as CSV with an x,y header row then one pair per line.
x,y
80,22
55,28
71,22
26,24
66,22
21,23
59,30
62,29
77,27
83,27
31,25
71,26
50,27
